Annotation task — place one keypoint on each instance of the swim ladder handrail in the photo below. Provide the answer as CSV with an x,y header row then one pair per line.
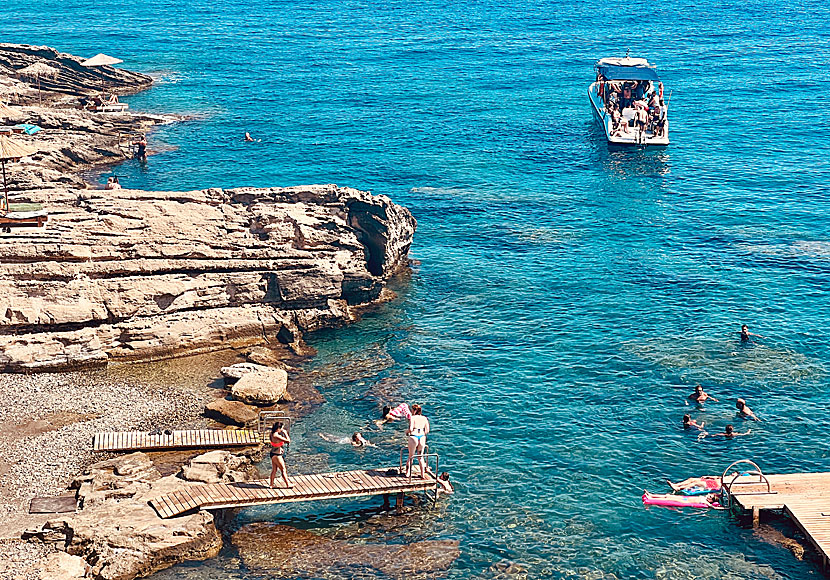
x,y
266,417
425,457
726,490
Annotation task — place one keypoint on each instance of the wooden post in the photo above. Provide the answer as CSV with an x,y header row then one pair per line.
x,y
386,505
399,503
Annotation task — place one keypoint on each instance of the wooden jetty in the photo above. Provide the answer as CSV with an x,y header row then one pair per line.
x,y
306,488
186,439
804,497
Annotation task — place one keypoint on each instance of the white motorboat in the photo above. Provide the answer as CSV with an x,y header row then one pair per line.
x,y
628,103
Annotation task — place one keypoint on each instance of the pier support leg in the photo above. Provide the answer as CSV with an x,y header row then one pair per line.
x,y
399,503
756,516
386,505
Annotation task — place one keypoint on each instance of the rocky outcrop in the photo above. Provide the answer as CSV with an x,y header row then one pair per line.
x,y
135,275
231,412
255,384
117,534
219,466
71,78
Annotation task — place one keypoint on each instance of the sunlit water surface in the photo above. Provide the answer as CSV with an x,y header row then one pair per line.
x,y
566,298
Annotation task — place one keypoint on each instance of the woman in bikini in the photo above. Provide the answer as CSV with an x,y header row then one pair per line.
x,y
416,440
279,438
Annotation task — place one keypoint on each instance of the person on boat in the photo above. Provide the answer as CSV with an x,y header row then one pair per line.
x,y
700,396
729,433
744,412
688,423
416,440
279,439
626,99
402,411
745,334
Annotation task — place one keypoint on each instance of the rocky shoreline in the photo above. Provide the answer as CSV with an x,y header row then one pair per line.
x,y
135,276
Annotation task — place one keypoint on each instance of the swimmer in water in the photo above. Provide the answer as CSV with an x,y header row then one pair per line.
x,y
699,396
688,423
248,137
402,411
744,412
729,433
745,334
359,440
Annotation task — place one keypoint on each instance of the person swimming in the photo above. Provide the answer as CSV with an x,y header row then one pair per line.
x,y
744,412
699,396
729,433
402,411
745,334
357,440
688,423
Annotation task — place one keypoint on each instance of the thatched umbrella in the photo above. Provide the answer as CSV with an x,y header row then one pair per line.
x,y
39,69
11,150
7,112
101,60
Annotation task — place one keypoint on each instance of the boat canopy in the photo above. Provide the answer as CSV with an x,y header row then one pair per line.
x,y
615,72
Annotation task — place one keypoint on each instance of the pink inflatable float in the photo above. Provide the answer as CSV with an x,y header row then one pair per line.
x,y
670,500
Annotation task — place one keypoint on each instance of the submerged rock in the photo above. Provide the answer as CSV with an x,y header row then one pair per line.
x,y
286,551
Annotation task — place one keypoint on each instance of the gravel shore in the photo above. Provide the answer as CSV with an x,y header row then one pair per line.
x,y
47,423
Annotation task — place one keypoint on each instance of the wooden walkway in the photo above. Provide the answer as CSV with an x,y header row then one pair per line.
x,y
189,439
805,497
306,488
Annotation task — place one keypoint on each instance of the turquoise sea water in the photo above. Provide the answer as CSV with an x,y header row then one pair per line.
x,y
566,297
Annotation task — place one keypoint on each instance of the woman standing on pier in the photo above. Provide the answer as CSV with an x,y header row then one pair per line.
x,y
417,440
279,437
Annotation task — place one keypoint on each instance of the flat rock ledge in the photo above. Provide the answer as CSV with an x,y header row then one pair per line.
x,y
117,535
134,275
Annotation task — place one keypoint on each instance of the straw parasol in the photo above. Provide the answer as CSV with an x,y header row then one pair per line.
x,y
39,69
7,112
101,60
11,150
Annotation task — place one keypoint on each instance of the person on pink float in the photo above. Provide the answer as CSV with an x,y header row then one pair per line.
x,y
402,411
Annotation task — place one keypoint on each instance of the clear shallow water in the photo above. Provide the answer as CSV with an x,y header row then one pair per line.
x,y
567,297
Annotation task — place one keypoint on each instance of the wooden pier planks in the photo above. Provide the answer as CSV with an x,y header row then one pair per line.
x,y
186,439
805,497
318,486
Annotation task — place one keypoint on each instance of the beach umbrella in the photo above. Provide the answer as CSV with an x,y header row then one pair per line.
x,y
39,69
11,150
101,60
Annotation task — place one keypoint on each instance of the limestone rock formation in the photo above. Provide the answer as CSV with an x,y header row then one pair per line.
x,y
231,412
219,466
60,566
264,387
72,78
116,531
135,275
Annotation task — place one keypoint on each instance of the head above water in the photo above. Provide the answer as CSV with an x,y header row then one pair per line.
x,y
356,436
729,429
686,419
698,389
386,409
416,409
744,328
740,404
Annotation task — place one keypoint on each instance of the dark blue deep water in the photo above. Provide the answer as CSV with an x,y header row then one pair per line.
x,y
566,298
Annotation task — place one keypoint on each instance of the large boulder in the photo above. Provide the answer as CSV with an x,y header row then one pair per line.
x,y
232,412
266,386
219,466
